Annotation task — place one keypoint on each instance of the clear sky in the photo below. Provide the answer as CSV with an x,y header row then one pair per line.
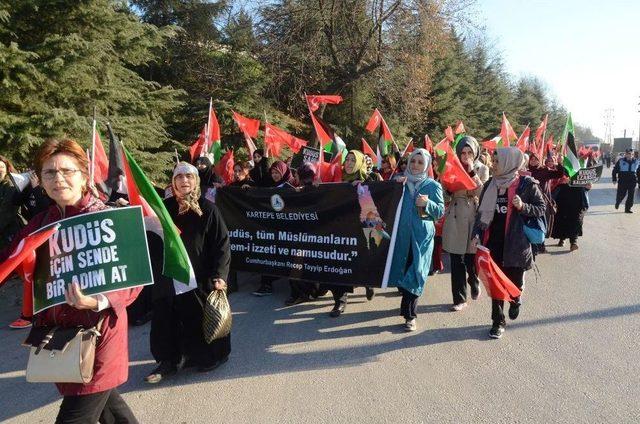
x,y
586,51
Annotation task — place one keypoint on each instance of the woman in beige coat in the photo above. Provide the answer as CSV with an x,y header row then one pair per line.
x,y
458,226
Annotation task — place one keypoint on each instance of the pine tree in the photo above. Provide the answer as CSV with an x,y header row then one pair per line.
x,y
74,57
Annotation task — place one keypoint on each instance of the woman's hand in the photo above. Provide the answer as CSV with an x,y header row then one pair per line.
x,y
74,297
421,200
219,284
400,179
517,202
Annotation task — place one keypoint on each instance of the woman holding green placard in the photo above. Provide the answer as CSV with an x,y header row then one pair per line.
x,y
62,167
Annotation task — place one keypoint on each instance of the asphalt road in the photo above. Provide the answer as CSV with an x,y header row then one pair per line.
x,y
572,356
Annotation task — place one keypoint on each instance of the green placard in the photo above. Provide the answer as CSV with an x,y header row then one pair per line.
x,y
101,251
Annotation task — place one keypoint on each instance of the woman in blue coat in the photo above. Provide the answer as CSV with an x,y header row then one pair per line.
x,y
422,205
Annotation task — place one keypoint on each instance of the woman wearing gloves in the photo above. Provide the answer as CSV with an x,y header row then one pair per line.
x,y
506,198
422,205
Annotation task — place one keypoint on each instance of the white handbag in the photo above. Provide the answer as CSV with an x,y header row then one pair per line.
x,y
61,355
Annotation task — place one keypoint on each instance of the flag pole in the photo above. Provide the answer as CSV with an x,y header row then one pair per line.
x,y
93,150
264,141
206,135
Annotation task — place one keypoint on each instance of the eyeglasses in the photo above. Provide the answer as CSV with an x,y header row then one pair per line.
x,y
50,174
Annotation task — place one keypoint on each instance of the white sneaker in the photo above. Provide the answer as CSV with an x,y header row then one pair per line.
x,y
458,307
410,325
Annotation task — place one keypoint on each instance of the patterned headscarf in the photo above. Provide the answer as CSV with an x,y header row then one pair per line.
x,y
190,201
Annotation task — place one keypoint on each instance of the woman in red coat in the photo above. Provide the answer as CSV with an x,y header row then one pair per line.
x,y
62,167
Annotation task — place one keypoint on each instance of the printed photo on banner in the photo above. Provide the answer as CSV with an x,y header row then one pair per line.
x,y
100,251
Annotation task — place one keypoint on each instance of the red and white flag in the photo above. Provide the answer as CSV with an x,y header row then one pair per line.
x,y
496,283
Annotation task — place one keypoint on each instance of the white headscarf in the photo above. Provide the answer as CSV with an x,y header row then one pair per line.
x,y
510,160
190,201
414,179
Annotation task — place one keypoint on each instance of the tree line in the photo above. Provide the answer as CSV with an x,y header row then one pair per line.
x,y
149,68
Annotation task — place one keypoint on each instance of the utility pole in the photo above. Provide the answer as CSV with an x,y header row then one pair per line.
x,y
608,125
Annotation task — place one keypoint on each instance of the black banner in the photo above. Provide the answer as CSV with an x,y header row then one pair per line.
x,y
586,176
334,233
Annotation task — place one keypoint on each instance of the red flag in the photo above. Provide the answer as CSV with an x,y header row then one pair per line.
x,y
325,135
24,250
506,132
248,126
448,134
198,147
25,271
135,198
549,146
275,137
538,140
523,141
428,144
314,101
367,150
331,172
454,177
377,120
224,168
408,148
490,145
100,163
213,135
460,128
497,284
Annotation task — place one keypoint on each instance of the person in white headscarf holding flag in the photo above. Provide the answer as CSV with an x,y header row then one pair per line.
x,y
422,206
508,199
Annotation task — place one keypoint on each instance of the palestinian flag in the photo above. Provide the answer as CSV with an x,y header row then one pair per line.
x,y
326,135
385,139
213,134
571,161
176,263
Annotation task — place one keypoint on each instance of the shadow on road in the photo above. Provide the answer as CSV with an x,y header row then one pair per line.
x,y
276,345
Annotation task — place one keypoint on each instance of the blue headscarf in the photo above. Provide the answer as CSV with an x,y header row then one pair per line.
x,y
414,179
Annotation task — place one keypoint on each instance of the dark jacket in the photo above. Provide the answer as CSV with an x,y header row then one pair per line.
x,y
628,171
517,248
206,240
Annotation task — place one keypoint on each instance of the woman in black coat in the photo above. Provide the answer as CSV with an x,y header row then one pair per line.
x,y
177,338
572,204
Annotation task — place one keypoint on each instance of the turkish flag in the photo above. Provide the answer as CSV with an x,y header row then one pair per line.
x,y
506,132
460,128
331,172
314,101
224,168
275,137
523,141
454,177
248,126
24,250
498,285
